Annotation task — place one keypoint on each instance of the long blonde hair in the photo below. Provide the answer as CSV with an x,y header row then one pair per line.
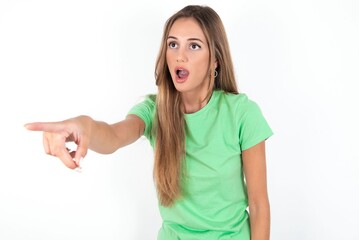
x,y
169,124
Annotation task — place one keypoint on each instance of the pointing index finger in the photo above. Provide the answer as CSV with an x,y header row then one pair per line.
x,y
44,126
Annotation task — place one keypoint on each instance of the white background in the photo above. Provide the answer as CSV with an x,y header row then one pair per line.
x,y
298,60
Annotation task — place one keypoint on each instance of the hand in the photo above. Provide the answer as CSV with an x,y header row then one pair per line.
x,y
56,134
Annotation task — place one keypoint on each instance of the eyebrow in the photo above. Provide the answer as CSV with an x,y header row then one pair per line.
x,y
189,39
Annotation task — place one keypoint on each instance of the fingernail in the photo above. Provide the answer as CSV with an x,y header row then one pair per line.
x,y
79,163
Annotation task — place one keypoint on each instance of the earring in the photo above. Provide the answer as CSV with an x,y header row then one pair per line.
x,y
215,73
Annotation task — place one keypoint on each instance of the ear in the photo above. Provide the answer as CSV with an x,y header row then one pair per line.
x,y
215,64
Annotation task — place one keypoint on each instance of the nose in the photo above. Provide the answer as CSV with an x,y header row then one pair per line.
x,y
181,56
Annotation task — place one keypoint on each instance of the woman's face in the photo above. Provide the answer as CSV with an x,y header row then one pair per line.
x,y
187,57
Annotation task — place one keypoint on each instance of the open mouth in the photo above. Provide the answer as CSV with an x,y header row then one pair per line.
x,y
182,73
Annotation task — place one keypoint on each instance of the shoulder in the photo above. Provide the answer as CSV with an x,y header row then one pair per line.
x,y
145,106
149,99
239,102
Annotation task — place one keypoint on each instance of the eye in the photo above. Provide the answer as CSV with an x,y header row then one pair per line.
x,y
194,46
172,45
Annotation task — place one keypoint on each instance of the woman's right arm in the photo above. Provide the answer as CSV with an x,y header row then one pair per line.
x,y
107,138
87,133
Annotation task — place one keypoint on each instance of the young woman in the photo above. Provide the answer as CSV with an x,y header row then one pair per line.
x,y
208,139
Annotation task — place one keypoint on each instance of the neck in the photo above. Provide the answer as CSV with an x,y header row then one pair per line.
x,y
193,102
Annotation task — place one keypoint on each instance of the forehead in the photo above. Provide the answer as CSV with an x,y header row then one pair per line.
x,y
186,28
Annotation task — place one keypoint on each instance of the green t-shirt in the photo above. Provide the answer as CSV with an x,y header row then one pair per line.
x,y
214,199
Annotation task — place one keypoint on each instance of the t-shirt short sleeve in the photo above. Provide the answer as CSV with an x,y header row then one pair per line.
x,y
253,127
145,110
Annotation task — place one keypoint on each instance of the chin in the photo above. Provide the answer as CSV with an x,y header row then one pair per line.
x,y
181,89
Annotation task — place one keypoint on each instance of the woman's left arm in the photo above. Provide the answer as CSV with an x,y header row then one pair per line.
x,y
254,165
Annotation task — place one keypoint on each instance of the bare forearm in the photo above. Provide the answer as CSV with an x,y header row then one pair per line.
x,y
260,221
106,138
255,172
